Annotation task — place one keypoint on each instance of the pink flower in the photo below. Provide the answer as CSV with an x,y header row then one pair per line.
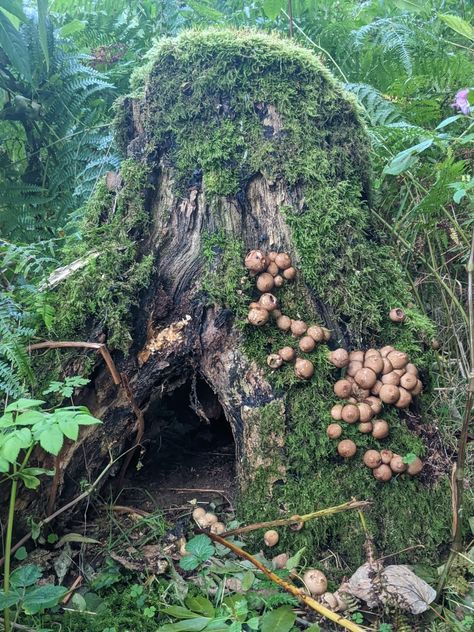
x,y
461,103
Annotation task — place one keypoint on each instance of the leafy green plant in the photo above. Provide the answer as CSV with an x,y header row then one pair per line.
x,y
24,426
67,387
200,549
24,594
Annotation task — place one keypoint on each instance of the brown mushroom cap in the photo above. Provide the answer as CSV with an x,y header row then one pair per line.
x,y
411,368
272,255
304,369
342,388
365,378
283,260
306,344
408,381
279,561
380,429
209,519
404,400
334,431
273,269
356,356
390,378
279,281
400,372
346,448
353,367
199,513
397,315
384,351
315,581
298,327
365,428
254,304
258,316
418,388
374,403
265,282
326,333
399,359
372,352
350,413
374,362
375,390
339,357
336,412
359,393
289,274
255,261
435,344
387,456
382,473
271,537
389,393
217,528
274,360
287,353
365,412
397,465
316,333
415,467
372,458
283,323
268,301
387,366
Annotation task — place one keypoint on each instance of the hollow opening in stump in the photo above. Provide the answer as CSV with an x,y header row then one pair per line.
x,y
188,444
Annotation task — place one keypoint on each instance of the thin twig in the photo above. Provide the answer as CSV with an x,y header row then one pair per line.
x,y
291,588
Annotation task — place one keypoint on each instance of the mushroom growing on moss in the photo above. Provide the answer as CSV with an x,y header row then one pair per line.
x,y
289,274
298,327
397,315
415,467
382,473
304,369
408,381
256,261
287,353
374,403
365,378
398,359
342,388
268,301
306,344
389,393
372,458
346,448
380,429
265,282
350,413
397,465
336,412
365,412
283,323
274,360
353,367
258,316
273,269
365,427
339,358
218,528
279,281
271,537
387,456
283,260
315,581
405,398
334,431
316,333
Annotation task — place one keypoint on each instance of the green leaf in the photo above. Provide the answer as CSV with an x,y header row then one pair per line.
x,y
272,8
253,623
37,471
42,29
4,465
247,580
23,404
52,538
11,449
14,7
79,602
87,420
471,525
201,605
21,554
189,562
178,612
30,418
30,482
200,546
76,537
190,625
456,23
295,560
406,158
448,121
43,597
409,458
413,6
51,440
25,576
8,600
74,26
70,428
279,620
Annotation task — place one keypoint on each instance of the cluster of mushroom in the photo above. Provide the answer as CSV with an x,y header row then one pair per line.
x,y
385,464
208,520
372,378
272,271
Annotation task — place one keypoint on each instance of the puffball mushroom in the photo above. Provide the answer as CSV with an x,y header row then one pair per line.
x,y
365,428
279,281
372,459
207,520
265,282
306,344
418,388
435,344
334,431
315,581
397,315
283,323
387,366
415,467
356,356
199,513
384,351
374,403
408,381
268,301
387,456
217,528
336,412
273,269
258,316
304,369
346,448
404,400
375,390
256,261
288,354
276,314
353,367
350,413
271,537
279,561
382,473
339,357
342,388
298,327
274,360
359,392
397,465
272,255
365,378
316,333
411,368
374,362
398,359
380,429
389,393
254,305
390,378
283,260
365,412
326,333
289,274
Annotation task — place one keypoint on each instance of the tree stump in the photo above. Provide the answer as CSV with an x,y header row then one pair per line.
x,y
234,141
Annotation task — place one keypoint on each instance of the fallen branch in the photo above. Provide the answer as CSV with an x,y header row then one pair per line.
x,y
291,588
295,520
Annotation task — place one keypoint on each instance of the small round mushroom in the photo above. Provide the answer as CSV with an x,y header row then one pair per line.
x,y
375,390
265,282
374,362
356,356
408,381
382,473
289,274
268,301
346,448
389,393
306,344
359,393
397,465
272,255
316,333
258,316
208,519
435,344
255,261
390,378
365,378
339,358
315,581
217,528
384,351
279,561
279,281
283,323
288,354
398,359
411,368
254,305
397,315
365,428
330,601
336,412
380,429
326,333
405,398
298,327
415,467
372,459
274,360
374,403
271,537
334,431
418,388
387,366
199,513
353,367
342,388
372,352
283,260
304,369
387,456
350,413
273,269
365,412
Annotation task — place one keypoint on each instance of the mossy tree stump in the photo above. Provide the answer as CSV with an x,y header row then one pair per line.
x,y
238,140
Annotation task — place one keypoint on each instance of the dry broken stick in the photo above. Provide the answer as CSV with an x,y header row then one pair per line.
x,y
296,520
291,588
